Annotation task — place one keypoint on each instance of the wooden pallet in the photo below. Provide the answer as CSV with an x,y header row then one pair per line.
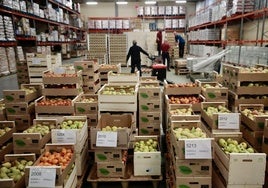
x,y
129,177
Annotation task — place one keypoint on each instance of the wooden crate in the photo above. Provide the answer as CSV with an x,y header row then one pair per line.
x,y
109,155
90,77
33,142
149,91
50,77
230,165
149,118
62,90
8,135
150,106
81,160
86,107
6,148
38,59
86,66
258,121
123,77
111,169
149,129
239,88
91,87
214,93
20,108
176,89
22,122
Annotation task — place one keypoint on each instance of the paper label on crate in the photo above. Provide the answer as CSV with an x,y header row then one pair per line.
x,y
228,121
198,149
63,136
36,61
42,177
106,139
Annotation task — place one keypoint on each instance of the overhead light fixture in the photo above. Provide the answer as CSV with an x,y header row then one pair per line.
x,y
91,3
121,2
181,1
150,2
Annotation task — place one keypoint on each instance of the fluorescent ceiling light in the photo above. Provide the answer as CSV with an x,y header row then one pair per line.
x,y
121,2
181,1
92,3
150,2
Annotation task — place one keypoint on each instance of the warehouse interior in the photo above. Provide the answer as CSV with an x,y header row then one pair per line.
x,y
74,114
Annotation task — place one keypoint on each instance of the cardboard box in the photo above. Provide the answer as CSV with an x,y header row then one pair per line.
x,y
193,182
123,135
8,135
149,90
123,77
22,122
253,137
258,121
173,89
147,163
179,144
61,175
50,77
80,135
109,155
19,108
148,118
149,106
230,165
212,121
86,66
7,183
54,109
33,142
111,170
88,107
21,95
149,129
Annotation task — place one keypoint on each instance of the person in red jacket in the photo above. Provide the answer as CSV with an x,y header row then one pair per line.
x,y
159,41
165,47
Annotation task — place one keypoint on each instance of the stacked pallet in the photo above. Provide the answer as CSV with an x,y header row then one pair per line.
x,y
180,66
246,85
37,64
150,108
59,93
90,74
98,46
117,49
19,104
104,69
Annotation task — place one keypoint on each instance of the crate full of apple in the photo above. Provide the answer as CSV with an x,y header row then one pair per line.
x,y
149,91
211,111
72,129
7,128
123,77
253,116
12,172
147,156
86,104
182,89
51,77
183,132
234,155
213,91
34,138
122,124
60,157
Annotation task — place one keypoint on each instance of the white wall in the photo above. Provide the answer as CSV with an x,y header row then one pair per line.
x,y
100,10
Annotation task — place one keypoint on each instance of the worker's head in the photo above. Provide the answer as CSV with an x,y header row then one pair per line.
x,y
175,33
134,42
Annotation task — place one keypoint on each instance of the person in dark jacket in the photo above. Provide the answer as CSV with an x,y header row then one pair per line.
x,y
165,47
181,43
159,41
134,52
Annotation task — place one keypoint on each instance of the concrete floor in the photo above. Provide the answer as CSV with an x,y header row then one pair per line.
x,y
10,82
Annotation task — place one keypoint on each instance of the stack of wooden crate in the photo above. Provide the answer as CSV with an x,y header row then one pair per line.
x,y
180,66
105,68
98,46
19,104
59,93
8,128
90,74
150,108
37,64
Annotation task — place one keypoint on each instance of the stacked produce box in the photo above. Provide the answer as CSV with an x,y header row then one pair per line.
x,y
117,48
37,63
34,138
104,69
74,130
90,74
19,104
98,46
110,141
190,152
150,108
59,93
7,128
247,85
87,105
